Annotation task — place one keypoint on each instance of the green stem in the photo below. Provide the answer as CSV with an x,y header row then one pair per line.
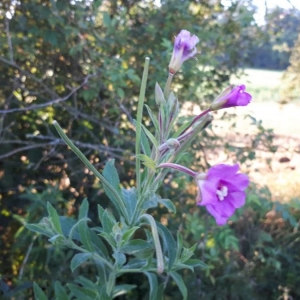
x,y
168,85
139,125
93,169
158,250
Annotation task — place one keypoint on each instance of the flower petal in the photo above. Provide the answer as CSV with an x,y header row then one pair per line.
x,y
239,182
208,192
223,171
237,199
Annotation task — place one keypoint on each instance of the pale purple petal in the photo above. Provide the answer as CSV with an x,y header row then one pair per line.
x,y
237,199
223,171
238,182
184,49
207,191
220,219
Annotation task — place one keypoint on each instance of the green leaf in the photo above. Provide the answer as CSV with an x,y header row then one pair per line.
x,y
120,258
60,292
111,175
169,244
128,234
160,292
38,292
135,263
159,95
179,245
85,236
151,202
152,278
39,229
145,144
147,161
108,221
196,263
83,210
135,246
98,245
180,283
130,198
79,259
168,204
82,293
150,137
153,118
122,289
54,218
100,212
182,128
187,253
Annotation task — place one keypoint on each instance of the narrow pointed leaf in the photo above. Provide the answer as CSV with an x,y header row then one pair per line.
x,y
180,283
79,259
54,218
60,292
152,278
147,161
38,292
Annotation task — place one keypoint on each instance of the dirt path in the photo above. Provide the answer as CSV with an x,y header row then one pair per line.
x,y
283,176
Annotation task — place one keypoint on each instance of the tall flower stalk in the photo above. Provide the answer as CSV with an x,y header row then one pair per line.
x,y
221,190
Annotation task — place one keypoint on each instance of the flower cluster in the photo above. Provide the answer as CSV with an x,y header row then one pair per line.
x,y
221,188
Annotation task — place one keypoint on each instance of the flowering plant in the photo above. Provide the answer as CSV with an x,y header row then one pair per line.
x,y
114,247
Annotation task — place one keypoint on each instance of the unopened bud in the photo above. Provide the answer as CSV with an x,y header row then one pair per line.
x,y
173,105
159,95
171,144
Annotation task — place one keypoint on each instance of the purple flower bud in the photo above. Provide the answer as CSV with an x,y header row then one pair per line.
x,y
232,97
184,49
222,191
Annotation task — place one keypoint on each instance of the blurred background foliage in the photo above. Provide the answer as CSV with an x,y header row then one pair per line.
x,y
80,62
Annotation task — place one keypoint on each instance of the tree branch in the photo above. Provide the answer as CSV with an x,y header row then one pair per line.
x,y
51,102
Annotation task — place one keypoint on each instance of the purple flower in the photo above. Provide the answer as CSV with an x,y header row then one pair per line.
x,y
232,97
184,49
222,191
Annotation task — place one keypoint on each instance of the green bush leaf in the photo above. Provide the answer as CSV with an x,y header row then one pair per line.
x,y
153,118
150,137
83,209
79,259
169,244
122,289
130,198
111,175
135,246
152,278
38,292
180,283
147,161
54,218
60,292
168,204
39,229
82,293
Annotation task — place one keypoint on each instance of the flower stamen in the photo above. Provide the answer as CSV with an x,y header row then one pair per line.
x,y
222,193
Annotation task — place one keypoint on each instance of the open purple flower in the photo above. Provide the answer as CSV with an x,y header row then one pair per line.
x,y
222,191
232,97
184,49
